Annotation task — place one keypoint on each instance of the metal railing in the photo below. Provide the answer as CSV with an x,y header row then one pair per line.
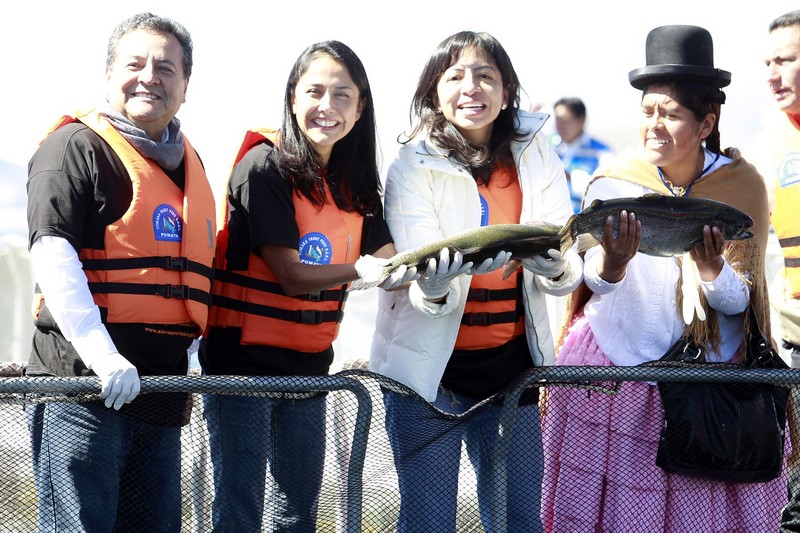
x,y
359,490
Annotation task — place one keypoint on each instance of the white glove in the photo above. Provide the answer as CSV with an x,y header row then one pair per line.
x,y
490,265
119,378
435,281
370,268
551,266
401,276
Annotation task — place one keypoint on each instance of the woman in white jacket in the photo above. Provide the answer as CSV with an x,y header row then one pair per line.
x,y
462,333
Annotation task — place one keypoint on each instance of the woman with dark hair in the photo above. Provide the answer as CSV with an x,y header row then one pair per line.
x,y
302,205
600,449
462,333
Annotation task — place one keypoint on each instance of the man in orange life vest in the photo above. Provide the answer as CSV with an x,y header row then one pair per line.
x,y
121,226
783,78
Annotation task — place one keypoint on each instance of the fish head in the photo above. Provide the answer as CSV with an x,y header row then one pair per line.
x,y
733,223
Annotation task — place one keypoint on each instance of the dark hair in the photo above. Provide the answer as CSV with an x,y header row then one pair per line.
x,y
352,170
701,99
787,20
574,104
424,116
152,23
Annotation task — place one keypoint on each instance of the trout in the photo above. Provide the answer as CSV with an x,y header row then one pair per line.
x,y
671,225
522,240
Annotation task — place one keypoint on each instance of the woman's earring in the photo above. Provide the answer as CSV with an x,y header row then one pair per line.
x,y
503,107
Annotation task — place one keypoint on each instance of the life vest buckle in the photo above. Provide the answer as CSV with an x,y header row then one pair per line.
x,y
478,295
178,263
180,292
309,316
477,319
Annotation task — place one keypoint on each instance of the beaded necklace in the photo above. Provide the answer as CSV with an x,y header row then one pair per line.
x,y
683,191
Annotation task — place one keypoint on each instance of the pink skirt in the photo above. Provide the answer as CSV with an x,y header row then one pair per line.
x,y
600,473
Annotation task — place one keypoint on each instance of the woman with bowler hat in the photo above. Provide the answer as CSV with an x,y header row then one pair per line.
x,y
600,449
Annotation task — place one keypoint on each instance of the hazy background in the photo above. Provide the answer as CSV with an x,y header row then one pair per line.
x,y
54,62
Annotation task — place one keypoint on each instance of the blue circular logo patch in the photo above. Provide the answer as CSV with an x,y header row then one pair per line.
x,y
315,249
167,224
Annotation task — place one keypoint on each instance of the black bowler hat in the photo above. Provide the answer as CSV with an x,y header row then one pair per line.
x,y
679,53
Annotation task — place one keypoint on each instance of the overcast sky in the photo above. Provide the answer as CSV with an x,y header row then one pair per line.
x,y
54,60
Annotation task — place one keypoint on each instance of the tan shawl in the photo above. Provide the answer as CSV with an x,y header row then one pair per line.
x,y
738,184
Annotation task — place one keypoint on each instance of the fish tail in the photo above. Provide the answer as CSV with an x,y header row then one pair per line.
x,y
567,234
586,241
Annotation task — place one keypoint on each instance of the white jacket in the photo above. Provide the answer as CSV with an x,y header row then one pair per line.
x,y
428,197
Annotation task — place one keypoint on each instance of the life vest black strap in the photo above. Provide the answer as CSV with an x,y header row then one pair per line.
x,y
181,292
491,295
482,294
789,262
331,295
488,319
304,316
181,264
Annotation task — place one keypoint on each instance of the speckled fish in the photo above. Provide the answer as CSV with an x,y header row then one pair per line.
x,y
522,240
670,225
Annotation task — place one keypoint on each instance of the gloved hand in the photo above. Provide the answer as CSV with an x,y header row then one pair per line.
x,y
490,265
435,281
551,266
401,276
119,379
370,268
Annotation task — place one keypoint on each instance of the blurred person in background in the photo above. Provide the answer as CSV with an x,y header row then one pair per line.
x,y
782,173
580,152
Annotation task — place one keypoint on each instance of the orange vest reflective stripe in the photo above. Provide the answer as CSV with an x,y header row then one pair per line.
x,y
254,301
494,313
785,219
156,265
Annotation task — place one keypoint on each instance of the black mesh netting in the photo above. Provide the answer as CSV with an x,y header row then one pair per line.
x,y
359,487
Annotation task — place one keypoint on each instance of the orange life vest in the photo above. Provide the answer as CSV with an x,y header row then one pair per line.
x,y
156,265
253,299
785,220
494,313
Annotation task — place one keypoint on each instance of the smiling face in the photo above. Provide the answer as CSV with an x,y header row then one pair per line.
x,y
146,81
783,62
470,94
326,103
670,133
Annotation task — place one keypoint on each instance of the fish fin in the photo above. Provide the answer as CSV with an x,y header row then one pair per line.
x,y
566,244
693,244
586,241
691,291
466,251
593,205
511,267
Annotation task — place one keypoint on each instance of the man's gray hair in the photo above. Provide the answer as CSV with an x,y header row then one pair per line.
x,y
152,23
787,20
